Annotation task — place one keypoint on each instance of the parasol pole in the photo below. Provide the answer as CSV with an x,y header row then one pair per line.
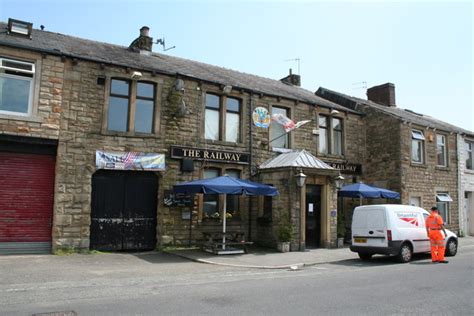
x,y
224,222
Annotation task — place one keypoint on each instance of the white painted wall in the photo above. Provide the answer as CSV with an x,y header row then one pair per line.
x,y
466,188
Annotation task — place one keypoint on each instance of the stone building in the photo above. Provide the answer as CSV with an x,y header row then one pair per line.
x,y
466,183
93,137
408,152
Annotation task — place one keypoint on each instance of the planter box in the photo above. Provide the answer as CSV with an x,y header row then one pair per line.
x,y
283,246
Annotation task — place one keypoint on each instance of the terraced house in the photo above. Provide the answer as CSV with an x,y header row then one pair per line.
x,y
93,136
414,154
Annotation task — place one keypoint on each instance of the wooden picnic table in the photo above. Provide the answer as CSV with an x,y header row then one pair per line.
x,y
234,242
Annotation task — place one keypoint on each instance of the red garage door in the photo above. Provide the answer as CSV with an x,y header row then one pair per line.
x,y
26,202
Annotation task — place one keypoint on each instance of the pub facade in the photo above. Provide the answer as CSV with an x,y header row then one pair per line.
x,y
113,128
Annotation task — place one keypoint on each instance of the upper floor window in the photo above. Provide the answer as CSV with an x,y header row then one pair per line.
x,y
469,164
441,157
417,146
337,136
222,118
330,139
278,137
131,106
323,135
16,87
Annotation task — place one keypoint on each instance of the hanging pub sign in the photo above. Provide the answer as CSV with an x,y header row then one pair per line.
x,y
129,161
209,155
346,167
260,117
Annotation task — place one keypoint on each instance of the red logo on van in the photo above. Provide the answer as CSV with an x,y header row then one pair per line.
x,y
411,220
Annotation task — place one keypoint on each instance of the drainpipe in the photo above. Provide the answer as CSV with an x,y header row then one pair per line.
x,y
250,165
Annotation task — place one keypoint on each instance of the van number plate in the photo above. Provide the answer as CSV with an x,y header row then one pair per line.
x,y
360,240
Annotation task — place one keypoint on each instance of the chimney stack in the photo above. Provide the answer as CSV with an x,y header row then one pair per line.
x,y
143,43
294,80
384,94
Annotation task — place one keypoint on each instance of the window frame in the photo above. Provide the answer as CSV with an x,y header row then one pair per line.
x,y
326,133
442,203
222,114
333,134
418,137
444,150
210,197
132,107
469,159
15,74
330,135
272,127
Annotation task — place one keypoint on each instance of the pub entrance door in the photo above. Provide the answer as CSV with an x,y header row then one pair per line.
x,y
123,210
313,216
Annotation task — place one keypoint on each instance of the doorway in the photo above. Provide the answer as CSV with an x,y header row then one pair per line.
x,y
313,216
123,210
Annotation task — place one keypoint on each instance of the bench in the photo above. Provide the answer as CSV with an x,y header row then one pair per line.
x,y
234,243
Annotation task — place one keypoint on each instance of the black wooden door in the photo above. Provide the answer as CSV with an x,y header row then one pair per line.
x,y
123,210
313,216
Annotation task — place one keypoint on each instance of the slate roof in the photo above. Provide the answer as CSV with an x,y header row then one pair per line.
x,y
74,47
400,113
298,159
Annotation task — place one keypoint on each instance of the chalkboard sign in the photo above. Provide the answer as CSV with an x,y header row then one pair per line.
x,y
177,199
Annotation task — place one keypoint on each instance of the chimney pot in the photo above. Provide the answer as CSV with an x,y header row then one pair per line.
x,y
145,31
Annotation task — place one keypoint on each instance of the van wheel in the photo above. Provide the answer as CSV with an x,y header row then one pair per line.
x,y
451,247
365,256
404,254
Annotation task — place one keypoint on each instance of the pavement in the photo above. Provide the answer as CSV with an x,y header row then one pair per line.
x,y
264,258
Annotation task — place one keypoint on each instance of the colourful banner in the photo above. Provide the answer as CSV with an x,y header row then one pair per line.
x,y
129,161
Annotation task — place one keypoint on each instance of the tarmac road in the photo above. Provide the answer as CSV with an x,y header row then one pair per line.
x,y
152,284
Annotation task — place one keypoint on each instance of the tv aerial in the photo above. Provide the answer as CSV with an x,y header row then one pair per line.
x,y
297,60
161,41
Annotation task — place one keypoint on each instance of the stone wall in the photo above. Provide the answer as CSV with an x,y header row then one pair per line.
x,y
382,159
425,180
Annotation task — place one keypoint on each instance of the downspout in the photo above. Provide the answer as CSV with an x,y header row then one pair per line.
x,y
250,166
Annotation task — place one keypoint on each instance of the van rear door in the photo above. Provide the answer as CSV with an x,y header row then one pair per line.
x,y
369,226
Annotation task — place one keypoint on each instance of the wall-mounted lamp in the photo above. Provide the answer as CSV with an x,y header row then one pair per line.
x,y
334,112
136,75
300,179
179,85
339,180
227,89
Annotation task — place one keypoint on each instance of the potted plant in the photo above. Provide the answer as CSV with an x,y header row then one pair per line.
x,y
284,235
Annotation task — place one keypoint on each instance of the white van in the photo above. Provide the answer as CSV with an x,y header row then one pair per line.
x,y
393,229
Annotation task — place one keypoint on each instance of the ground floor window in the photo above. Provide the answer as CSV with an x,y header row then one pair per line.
x,y
213,204
442,203
210,201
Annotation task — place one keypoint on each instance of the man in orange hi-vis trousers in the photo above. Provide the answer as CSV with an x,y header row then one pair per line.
x,y
434,226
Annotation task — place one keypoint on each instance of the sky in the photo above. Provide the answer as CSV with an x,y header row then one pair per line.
x,y
425,48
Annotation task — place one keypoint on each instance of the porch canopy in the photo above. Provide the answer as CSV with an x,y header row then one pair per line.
x,y
300,159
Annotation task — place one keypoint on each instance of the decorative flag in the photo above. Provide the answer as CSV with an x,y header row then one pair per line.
x,y
287,123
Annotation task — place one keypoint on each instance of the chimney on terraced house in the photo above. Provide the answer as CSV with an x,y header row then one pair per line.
x,y
143,43
294,80
384,94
